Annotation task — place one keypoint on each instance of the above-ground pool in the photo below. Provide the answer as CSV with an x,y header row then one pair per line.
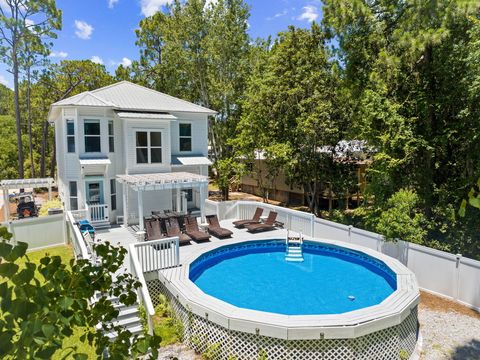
x,y
242,298
331,280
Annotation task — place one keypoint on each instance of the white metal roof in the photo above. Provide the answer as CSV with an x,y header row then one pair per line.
x,y
102,161
163,181
129,96
191,160
139,115
19,183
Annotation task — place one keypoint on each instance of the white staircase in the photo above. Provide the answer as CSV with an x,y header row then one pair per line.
x,y
294,248
128,317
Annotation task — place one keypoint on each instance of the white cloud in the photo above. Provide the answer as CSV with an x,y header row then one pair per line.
x,y
150,7
84,30
3,80
209,3
277,15
126,62
29,22
96,59
59,54
310,13
111,3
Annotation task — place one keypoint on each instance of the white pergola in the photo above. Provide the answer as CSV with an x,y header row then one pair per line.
x,y
14,184
161,181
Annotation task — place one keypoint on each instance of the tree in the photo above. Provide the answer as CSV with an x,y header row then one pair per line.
x,y
293,109
198,51
42,303
25,23
230,171
403,218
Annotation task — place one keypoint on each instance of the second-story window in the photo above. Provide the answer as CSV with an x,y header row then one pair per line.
x,y
92,135
111,139
73,195
149,147
185,137
70,136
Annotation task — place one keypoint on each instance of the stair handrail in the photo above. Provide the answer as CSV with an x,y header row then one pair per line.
x,y
143,292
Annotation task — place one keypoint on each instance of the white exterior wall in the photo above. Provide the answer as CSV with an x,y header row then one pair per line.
x,y
123,159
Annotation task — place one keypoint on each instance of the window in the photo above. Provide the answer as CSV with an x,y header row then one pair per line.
x,y
185,137
73,195
113,194
70,136
189,195
149,147
111,139
92,135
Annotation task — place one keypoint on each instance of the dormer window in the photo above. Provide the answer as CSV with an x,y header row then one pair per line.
x,y
185,137
92,136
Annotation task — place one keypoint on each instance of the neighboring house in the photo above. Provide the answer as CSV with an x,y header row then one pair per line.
x,y
257,181
125,129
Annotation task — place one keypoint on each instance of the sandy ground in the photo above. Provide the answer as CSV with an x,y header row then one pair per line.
x,y
449,330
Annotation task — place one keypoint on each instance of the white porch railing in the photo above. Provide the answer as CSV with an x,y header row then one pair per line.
x,y
97,212
151,256
79,214
75,236
298,221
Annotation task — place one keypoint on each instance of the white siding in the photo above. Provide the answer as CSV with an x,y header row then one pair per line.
x,y
199,134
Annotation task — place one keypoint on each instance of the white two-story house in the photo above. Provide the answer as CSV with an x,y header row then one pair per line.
x,y
125,150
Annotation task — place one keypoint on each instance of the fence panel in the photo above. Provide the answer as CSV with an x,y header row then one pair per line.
x,y
40,232
158,254
330,230
469,282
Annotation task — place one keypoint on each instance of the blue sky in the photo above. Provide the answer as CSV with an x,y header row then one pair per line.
x,y
103,30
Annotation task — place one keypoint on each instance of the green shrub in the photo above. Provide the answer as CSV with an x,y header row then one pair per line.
x,y
402,219
212,352
50,204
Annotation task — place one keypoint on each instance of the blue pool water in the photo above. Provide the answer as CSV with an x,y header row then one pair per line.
x,y
255,276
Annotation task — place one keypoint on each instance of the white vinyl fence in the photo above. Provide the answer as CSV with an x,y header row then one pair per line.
x,y
439,272
39,232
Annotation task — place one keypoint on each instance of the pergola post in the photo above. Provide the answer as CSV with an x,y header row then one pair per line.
x,y
141,225
125,204
49,190
203,197
6,205
179,199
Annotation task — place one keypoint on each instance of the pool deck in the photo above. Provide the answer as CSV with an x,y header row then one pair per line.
x,y
392,311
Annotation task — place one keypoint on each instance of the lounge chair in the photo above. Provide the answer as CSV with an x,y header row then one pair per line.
x,y
191,228
173,229
153,231
255,220
268,225
215,229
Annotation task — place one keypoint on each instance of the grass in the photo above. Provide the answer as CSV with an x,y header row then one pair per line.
x,y
66,254
165,324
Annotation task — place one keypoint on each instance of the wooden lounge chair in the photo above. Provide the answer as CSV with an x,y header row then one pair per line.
x,y
268,225
152,229
215,229
191,228
173,229
255,220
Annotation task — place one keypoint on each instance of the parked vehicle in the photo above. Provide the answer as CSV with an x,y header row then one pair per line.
x,y
26,206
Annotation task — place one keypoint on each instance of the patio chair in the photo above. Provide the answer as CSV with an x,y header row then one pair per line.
x,y
173,229
152,230
191,228
215,229
255,220
268,225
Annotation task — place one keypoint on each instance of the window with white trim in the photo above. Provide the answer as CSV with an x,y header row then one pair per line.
x,y
111,139
148,146
185,131
70,136
73,195
92,136
113,194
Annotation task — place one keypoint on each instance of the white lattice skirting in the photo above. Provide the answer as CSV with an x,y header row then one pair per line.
x,y
393,343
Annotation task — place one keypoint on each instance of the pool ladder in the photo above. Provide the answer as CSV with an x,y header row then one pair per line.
x,y
294,248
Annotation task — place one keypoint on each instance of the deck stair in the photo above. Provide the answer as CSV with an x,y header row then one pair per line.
x,y
128,317
294,248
